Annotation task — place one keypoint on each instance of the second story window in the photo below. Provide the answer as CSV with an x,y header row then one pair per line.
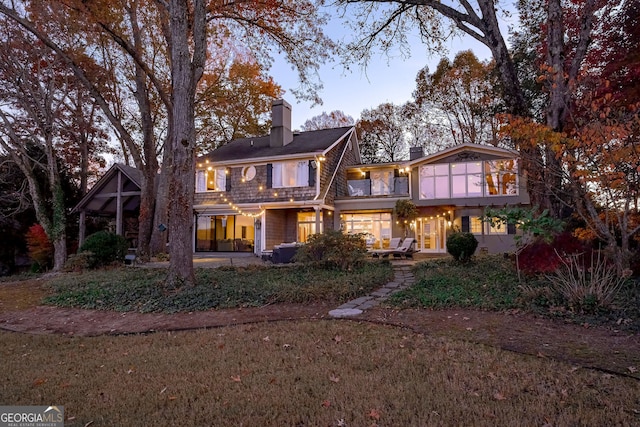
x,y
291,174
501,177
211,179
434,181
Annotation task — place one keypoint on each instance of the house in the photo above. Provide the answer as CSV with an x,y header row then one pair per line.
x,y
254,194
451,190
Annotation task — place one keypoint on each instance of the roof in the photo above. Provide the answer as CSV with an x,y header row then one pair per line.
x,y
108,184
311,142
478,148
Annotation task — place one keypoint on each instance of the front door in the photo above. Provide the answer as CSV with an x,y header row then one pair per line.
x,y
431,235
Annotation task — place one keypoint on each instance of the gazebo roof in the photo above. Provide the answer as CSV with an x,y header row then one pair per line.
x,y
102,198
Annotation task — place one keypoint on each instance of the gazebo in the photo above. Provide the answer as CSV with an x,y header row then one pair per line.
x,y
116,195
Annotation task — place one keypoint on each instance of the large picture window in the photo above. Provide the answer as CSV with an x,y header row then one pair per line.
x,y
291,174
466,179
501,177
376,225
434,181
469,179
211,179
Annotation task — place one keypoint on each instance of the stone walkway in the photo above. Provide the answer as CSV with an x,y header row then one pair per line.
x,y
402,279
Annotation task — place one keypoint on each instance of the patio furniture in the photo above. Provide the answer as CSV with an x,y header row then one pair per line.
x,y
405,249
284,253
394,244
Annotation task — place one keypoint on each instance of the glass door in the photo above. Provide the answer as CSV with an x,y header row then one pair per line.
x,y
430,235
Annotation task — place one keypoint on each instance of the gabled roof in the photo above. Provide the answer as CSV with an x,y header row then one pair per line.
x,y
316,142
477,148
106,184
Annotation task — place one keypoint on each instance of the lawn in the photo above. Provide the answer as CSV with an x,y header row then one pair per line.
x,y
323,373
142,290
491,283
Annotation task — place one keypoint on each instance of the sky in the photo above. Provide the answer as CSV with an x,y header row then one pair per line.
x,y
384,79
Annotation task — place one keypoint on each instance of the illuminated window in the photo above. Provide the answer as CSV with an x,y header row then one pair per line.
x,y
291,174
211,179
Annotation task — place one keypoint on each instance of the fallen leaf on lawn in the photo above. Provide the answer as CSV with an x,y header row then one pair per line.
x,y
334,378
265,339
499,396
632,369
163,390
337,338
39,381
130,370
88,424
375,414
341,423
326,403
465,318
573,369
173,397
235,378
564,392
286,346
273,380
469,329
541,354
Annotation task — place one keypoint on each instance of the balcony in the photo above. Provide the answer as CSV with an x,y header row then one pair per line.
x,y
366,188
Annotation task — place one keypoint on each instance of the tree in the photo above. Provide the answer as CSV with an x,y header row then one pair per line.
x,y
386,21
381,134
464,90
33,93
182,29
334,119
234,101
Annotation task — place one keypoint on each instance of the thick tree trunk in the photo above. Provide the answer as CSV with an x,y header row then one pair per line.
x,y
59,252
187,35
159,233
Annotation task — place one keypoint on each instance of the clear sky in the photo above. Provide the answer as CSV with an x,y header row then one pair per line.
x,y
384,79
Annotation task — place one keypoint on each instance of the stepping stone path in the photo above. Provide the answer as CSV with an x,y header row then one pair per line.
x,y
402,279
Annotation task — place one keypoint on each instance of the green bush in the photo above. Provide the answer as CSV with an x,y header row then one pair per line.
x,y
106,248
462,246
333,249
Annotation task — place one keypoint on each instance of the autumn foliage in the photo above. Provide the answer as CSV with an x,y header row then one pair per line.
x,y
39,247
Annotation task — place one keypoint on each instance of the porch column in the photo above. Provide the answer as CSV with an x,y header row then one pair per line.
x,y
119,205
318,219
82,225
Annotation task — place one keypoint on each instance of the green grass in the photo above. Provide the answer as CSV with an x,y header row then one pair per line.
x,y
142,290
487,283
323,373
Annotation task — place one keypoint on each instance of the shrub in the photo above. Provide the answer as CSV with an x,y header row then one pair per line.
x,y
462,246
588,285
78,262
333,249
546,257
106,248
40,248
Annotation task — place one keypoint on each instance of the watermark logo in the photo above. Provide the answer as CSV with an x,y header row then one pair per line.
x,y
31,416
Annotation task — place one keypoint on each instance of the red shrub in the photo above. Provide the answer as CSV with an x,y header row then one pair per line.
x,y
543,257
39,246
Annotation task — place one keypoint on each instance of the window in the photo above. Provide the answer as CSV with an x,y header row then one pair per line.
x,y
376,225
476,225
466,179
501,177
291,174
307,225
434,181
381,182
211,179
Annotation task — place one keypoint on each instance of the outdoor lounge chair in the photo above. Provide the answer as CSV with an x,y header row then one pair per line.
x,y
394,244
405,249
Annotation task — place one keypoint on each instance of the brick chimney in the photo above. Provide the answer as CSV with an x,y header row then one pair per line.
x,y
416,153
281,133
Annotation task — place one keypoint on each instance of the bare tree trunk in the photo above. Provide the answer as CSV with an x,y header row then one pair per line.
x,y
188,33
